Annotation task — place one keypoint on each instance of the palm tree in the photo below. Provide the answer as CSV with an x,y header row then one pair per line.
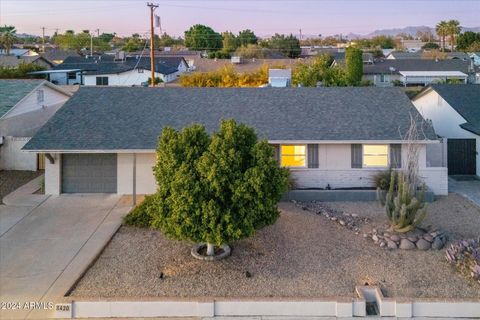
x,y
453,28
7,37
442,30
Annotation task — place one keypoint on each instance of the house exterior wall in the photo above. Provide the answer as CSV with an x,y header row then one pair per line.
x,y
30,103
334,169
145,180
128,78
445,120
61,78
377,81
53,175
13,158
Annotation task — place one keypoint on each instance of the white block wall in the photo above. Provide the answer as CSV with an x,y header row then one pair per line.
x,y
13,158
53,175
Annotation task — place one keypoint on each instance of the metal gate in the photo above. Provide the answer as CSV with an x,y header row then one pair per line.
x,y
462,156
89,173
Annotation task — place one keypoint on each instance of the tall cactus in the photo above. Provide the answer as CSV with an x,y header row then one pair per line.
x,y
404,209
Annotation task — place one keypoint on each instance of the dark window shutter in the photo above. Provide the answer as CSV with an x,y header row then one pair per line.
x,y
396,155
312,153
356,155
276,152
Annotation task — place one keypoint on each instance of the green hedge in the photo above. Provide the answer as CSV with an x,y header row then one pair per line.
x,y
140,216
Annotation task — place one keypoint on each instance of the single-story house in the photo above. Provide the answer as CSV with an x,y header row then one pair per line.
x,y
14,61
18,52
106,70
104,139
418,72
476,58
57,56
454,111
279,78
422,54
25,106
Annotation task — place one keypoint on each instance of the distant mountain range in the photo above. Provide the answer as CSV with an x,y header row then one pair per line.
x,y
410,30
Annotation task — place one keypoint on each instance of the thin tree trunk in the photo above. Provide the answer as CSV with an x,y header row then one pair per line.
x,y
210,249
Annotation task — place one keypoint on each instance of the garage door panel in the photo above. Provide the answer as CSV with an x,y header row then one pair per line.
x,y
89,173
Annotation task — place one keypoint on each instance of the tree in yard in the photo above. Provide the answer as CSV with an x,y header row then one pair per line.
x,y
430,45
309,74
354,65
442,31
288,45
200,37
384,42
246,37
466,39
215,189
453,29
7,37
474,47
230,42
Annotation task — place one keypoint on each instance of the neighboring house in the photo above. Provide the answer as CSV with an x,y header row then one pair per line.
x,y
476,58
14,61
25,106
418,72
19,52
279,78
57,56
412,45
424,55
454,111
106,70
341,137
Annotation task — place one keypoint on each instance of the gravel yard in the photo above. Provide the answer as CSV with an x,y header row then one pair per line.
x,y
302,255
11,180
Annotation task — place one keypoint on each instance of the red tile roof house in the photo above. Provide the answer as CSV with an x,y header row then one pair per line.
x,y
340,137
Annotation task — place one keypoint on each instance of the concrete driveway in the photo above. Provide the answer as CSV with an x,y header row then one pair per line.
x,y
47,242
468,188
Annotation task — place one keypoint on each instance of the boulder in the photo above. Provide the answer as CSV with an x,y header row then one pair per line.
x,y
412,238
423,244
391,244
428,237
394,237
437,244
406,244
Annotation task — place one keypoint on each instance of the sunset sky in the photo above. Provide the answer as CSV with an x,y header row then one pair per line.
x,y
264,17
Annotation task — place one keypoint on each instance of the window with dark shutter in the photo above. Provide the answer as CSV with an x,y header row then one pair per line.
x,y
356,155
312,154
396,155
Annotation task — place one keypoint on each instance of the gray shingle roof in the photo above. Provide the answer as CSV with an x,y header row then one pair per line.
x,y
106,64
420,55
114,118
417,65
14,90
465,99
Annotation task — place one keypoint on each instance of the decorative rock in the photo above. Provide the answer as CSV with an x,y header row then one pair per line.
x,y
403,236
374,230
375,238
406,244
354,215
394,237
365,235
434,234
423,244
428,237
382,244
391,245
334,219
386,234
412,238
437,244
341,222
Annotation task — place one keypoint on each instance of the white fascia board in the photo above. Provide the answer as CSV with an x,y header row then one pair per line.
x,y
349,141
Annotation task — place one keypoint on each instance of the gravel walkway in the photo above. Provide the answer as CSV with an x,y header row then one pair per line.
x,y
12,180
302,255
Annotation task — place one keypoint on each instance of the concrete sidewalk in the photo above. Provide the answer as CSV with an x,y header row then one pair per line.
x,y
47,245
470,189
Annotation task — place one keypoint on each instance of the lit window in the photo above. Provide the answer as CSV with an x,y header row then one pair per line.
x,y
375,156
293,156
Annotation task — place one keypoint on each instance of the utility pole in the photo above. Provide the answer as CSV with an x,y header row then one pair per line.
x,y
43,39
300,34
152,42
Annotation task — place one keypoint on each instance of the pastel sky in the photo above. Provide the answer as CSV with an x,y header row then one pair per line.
x,y
326,17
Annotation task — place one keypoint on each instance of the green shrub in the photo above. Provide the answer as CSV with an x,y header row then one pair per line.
x,y
140,216
382,180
